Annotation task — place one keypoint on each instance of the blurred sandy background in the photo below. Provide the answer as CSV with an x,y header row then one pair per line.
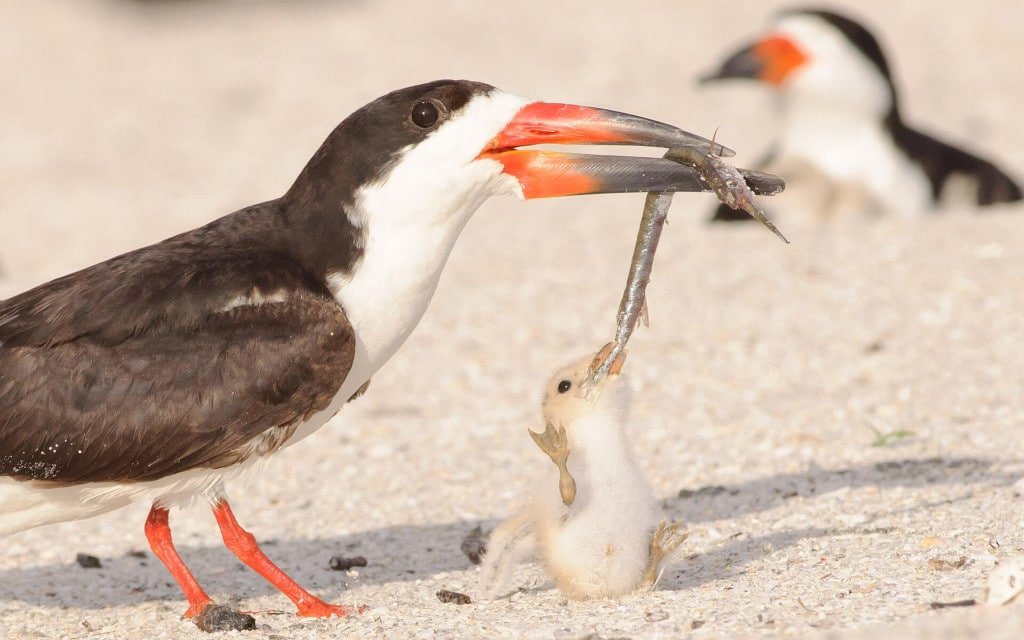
x,y
764,372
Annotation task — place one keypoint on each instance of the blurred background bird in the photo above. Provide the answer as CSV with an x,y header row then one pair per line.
x,y
842,142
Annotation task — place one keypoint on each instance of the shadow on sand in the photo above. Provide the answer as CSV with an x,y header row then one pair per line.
x,y
417,552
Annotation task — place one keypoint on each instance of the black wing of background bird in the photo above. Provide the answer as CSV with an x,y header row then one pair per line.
x,y
941,161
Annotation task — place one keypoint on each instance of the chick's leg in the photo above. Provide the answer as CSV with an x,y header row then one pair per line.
x,y
555,444
508,544
666,539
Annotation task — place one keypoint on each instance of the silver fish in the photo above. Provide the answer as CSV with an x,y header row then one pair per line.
x,y
731,188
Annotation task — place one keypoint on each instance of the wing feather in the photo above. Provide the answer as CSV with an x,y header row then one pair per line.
x,y
164,402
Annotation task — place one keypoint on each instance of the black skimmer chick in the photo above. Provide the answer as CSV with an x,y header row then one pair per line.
x,y
598,535
843,146
163,373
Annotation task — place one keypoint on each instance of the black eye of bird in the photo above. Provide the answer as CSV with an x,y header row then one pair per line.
x,y
424,115
564,386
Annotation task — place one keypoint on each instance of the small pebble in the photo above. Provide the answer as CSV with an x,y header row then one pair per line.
x,y
217,617
87,561
340,563
874,346
941,564
474,545
655,616
454,597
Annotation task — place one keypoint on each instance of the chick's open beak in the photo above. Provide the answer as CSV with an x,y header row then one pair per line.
x,y
543,174
616,366
618,363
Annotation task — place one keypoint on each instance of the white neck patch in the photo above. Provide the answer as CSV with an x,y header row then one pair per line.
x,y
411,218
836,73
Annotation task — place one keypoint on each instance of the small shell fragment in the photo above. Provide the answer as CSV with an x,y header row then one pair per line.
x,y
1018,488
930,542
1005,582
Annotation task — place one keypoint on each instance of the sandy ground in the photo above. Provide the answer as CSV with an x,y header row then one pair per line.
x,y
759,383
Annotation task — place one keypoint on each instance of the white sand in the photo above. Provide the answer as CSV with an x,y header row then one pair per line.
x,y
763,371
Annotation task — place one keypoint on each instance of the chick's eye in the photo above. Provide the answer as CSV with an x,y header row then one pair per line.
x,y
564,386
424,114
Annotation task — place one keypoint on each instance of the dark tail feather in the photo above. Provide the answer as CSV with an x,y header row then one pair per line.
x,y
995,187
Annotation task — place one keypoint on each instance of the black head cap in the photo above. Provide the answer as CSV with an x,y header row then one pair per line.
x,y
862,40
853,31
359,151
363,145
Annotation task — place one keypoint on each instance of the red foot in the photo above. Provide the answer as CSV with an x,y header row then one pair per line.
x,y
243,544
321,609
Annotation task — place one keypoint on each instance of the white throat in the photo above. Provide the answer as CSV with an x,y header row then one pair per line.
x,y
411,219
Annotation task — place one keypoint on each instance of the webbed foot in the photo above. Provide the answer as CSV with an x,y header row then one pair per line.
x,y
555,444
665,540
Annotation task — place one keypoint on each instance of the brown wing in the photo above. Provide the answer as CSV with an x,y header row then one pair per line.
x,y
164,402
174,284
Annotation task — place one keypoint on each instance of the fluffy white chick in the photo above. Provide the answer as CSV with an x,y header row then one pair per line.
x,y
596,529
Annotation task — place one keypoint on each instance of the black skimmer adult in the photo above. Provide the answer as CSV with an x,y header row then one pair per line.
x,y
163,373
843,146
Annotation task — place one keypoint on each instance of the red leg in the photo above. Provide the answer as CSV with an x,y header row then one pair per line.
x,y
243,544
158,532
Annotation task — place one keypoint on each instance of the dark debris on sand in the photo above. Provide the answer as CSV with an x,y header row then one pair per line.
x,y
217,617
453,597
87,561
474,545
341,563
